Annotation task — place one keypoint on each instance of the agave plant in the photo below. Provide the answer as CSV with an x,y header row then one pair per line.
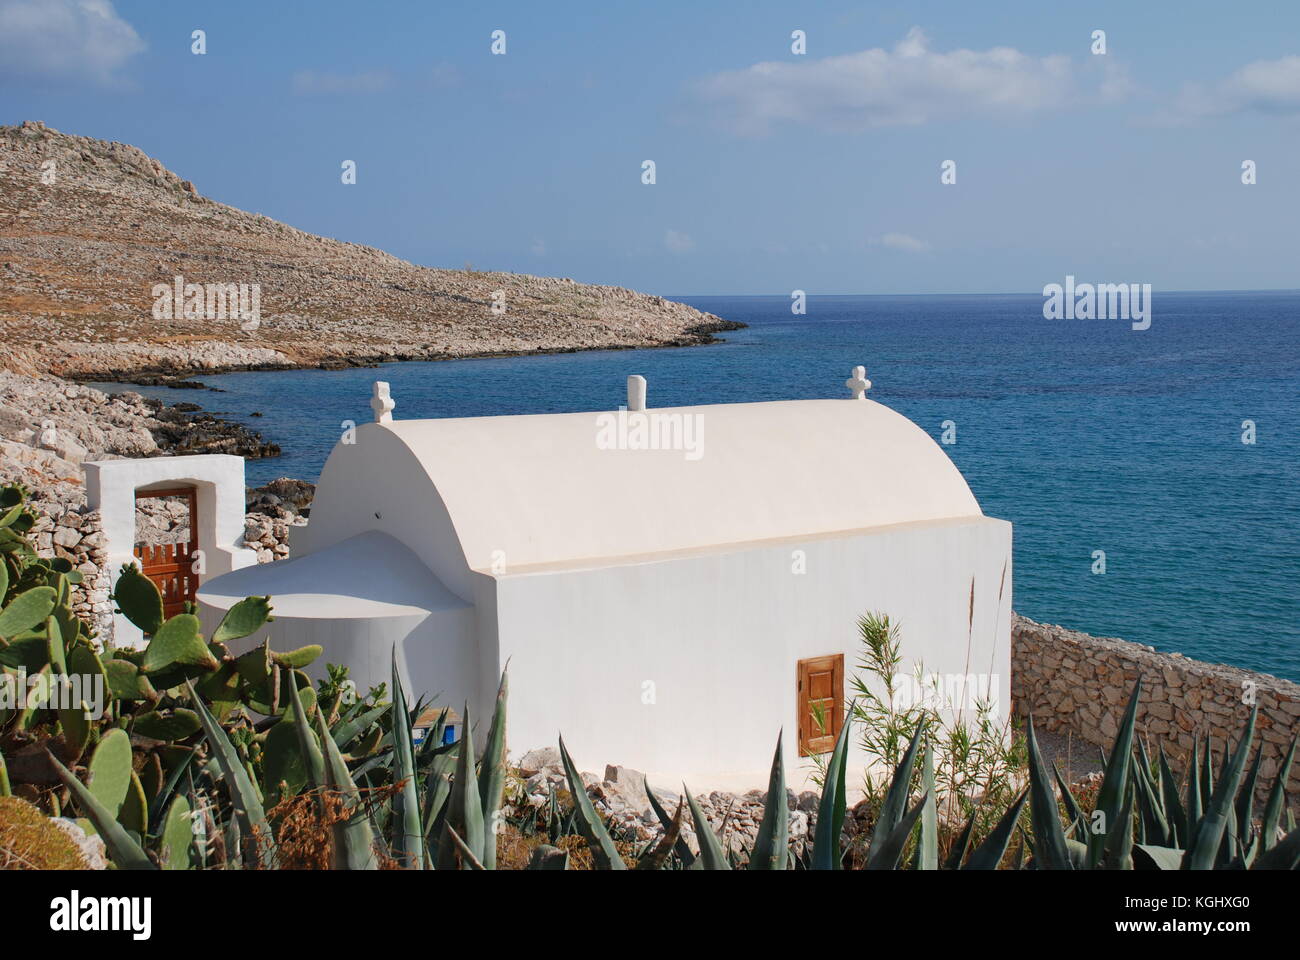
x,y
1140,821
199,751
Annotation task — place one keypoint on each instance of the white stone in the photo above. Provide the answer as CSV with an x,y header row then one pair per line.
x,y
636,388
382,403
858,384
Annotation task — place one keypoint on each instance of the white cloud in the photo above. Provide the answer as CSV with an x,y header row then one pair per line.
x,y
905,242
64,40
539,247
908,85
312,81
678,242
1264,86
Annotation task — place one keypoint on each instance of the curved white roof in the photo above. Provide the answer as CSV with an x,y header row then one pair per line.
x,y
366,577
540,489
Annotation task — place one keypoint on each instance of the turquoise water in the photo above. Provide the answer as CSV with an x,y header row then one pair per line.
x,y
1085,434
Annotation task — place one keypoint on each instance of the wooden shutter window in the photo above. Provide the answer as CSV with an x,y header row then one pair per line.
x,y
821,703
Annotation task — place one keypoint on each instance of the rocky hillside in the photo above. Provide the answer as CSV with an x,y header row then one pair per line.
x,y
49,427
88,228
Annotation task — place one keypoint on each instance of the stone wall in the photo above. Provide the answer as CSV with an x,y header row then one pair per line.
x,y
1076,683
76,535
73,531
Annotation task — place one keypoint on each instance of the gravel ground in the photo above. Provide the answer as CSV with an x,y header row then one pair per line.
x,y
1076,758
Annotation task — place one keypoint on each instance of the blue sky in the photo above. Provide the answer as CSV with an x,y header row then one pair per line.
x,y
774,171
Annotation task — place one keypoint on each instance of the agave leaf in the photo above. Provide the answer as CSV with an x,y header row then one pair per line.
x,y
408,835
1155,825
1148,856
354,840
437,790
492,775
125,853
681,848
467,857
1277,799
827,854
308,745
344,733
1077,817
1051,849
1245,805
1207,772
159,802
248,806
989,854
895,805
1174,811
1078,854
465,807
712,856
927,847
1284,855
1114,785
1119,838
1208,835
958,850
888,853
603,851
656,858
1194,798
772,843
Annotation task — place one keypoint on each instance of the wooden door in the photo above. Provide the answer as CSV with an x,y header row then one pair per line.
x,y
821,703
171,565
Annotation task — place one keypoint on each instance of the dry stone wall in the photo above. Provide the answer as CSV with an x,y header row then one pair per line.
x,y
76,533
1076,683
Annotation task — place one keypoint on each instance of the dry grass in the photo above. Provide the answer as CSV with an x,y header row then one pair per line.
x,y
304,826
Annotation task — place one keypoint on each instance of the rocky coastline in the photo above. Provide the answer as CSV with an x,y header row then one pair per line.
x,y
96,235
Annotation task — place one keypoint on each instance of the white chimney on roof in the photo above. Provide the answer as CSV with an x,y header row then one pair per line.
x,y
636,392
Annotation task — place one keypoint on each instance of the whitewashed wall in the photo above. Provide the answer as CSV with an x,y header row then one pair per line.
x,y
719,635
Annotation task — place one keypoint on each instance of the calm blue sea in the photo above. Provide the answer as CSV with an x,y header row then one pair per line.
x,y
1085,434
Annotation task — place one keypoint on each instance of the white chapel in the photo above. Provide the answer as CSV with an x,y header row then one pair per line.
x,y
670,587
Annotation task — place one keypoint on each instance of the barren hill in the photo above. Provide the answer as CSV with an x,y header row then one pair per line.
x,y
89,230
